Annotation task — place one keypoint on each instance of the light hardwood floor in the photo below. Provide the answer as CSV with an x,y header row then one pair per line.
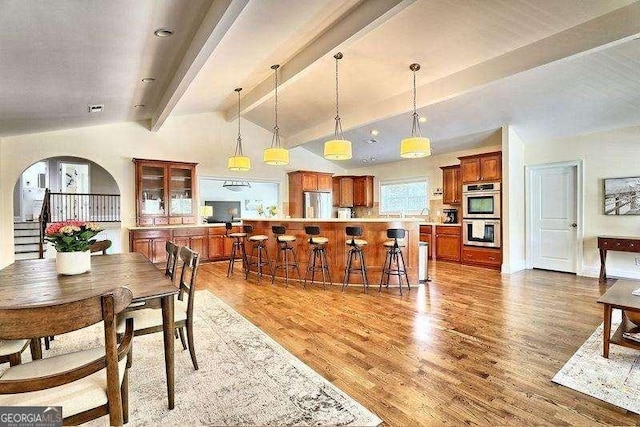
x,y
471,347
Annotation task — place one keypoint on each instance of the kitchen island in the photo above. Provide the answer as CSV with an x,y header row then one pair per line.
x,y
374,232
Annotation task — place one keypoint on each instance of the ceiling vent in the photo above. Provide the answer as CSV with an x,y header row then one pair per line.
x,y
96,108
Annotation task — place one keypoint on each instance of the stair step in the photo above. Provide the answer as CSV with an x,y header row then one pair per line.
x,y
26,233
27,251
27,255
25,247
26,240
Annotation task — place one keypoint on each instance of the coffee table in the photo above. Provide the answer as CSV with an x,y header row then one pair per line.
x,y
619,296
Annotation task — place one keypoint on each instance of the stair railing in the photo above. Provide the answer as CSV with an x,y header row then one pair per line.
x,y
45,214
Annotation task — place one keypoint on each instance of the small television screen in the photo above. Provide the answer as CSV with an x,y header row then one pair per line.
x,y
224,211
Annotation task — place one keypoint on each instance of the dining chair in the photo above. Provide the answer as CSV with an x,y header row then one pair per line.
x,y
87,384
149,320
100,246
11,351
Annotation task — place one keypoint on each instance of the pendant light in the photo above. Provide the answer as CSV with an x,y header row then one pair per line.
x,y
416,145
276,155
338,148
238,162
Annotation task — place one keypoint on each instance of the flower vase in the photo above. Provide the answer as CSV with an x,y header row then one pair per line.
x,y
72,263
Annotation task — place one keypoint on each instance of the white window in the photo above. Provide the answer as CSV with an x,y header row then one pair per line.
x,y
397,197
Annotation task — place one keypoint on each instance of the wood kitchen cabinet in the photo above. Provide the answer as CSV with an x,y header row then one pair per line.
x,y
301,181
165,192
481,167
448,243
343,191
221,246
150,243
426,235
482,257
195,238
451,185
363,191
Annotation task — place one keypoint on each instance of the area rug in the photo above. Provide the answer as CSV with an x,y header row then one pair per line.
x,y
245,378
615,380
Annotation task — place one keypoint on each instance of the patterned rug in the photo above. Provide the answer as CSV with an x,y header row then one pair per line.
x,y
245,378
615,380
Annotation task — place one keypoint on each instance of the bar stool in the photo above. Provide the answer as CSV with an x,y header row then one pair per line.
x,y
237,248
394,254
282,257
355,252
258,241
317,253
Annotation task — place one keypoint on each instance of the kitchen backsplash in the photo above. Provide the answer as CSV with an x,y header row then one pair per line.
x,y
435,205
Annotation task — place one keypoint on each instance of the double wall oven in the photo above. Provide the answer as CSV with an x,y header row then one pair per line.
x,y
481,205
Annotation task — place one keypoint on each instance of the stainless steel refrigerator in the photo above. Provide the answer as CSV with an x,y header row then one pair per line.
x,y
317,204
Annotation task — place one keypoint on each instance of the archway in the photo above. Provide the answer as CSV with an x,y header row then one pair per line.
x,y
69,188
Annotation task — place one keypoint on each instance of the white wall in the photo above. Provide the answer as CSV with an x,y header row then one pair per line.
x,y
204,138
513,202
428,167
608,154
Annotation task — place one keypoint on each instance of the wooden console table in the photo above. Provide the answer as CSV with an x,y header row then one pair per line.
x,y
615,243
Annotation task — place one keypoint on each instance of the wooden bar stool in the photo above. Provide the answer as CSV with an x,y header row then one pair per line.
x,y
237,248
317,254
394,255
282,257
260,247
355,252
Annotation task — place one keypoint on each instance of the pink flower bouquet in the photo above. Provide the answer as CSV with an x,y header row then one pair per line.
x,y
72,236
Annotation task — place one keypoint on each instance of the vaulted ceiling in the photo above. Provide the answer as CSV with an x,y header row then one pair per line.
x,y
550,68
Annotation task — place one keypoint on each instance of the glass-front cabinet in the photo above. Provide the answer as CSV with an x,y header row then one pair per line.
x,y
164,192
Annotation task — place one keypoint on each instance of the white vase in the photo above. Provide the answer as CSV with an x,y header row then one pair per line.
x,y
70,263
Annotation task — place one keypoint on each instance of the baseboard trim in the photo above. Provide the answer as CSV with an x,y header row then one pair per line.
x,y
514,267
595,272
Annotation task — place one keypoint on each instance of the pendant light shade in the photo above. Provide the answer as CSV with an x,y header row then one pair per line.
x,y
416,145
276,155
239,162
338,148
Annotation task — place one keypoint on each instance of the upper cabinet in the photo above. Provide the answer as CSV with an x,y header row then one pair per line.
x,y
363,191
165,192
451,185
343,191
301,181
481,167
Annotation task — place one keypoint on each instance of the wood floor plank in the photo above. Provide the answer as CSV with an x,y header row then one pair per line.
x,y
472,346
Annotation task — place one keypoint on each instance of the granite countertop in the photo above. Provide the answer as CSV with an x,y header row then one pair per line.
x,y
213,224
420,221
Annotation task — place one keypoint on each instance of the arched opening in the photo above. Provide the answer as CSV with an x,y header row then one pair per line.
x,y
63,189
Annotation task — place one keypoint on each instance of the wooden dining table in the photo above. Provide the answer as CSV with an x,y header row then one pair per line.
x,y
33,283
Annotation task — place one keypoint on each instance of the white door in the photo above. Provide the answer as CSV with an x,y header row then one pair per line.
x,y
554,218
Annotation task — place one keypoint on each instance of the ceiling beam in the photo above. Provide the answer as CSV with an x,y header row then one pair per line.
x,y
361,19
618,26
219,18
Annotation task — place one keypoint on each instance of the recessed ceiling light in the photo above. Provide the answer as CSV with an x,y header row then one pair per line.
x,y
422,119
374,132
163,32
372,159
148,79
364,160
371,141
139,105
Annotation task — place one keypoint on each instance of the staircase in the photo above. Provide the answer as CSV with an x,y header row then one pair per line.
x,y
26,240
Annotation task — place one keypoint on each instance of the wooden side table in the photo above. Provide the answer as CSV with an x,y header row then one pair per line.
x,y
619,296
615,243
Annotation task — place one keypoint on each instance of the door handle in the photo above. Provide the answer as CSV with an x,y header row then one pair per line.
x,y
574,225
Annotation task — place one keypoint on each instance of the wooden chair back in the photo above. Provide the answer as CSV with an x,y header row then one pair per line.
x,y
172,259
53,320
190,261
100,246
